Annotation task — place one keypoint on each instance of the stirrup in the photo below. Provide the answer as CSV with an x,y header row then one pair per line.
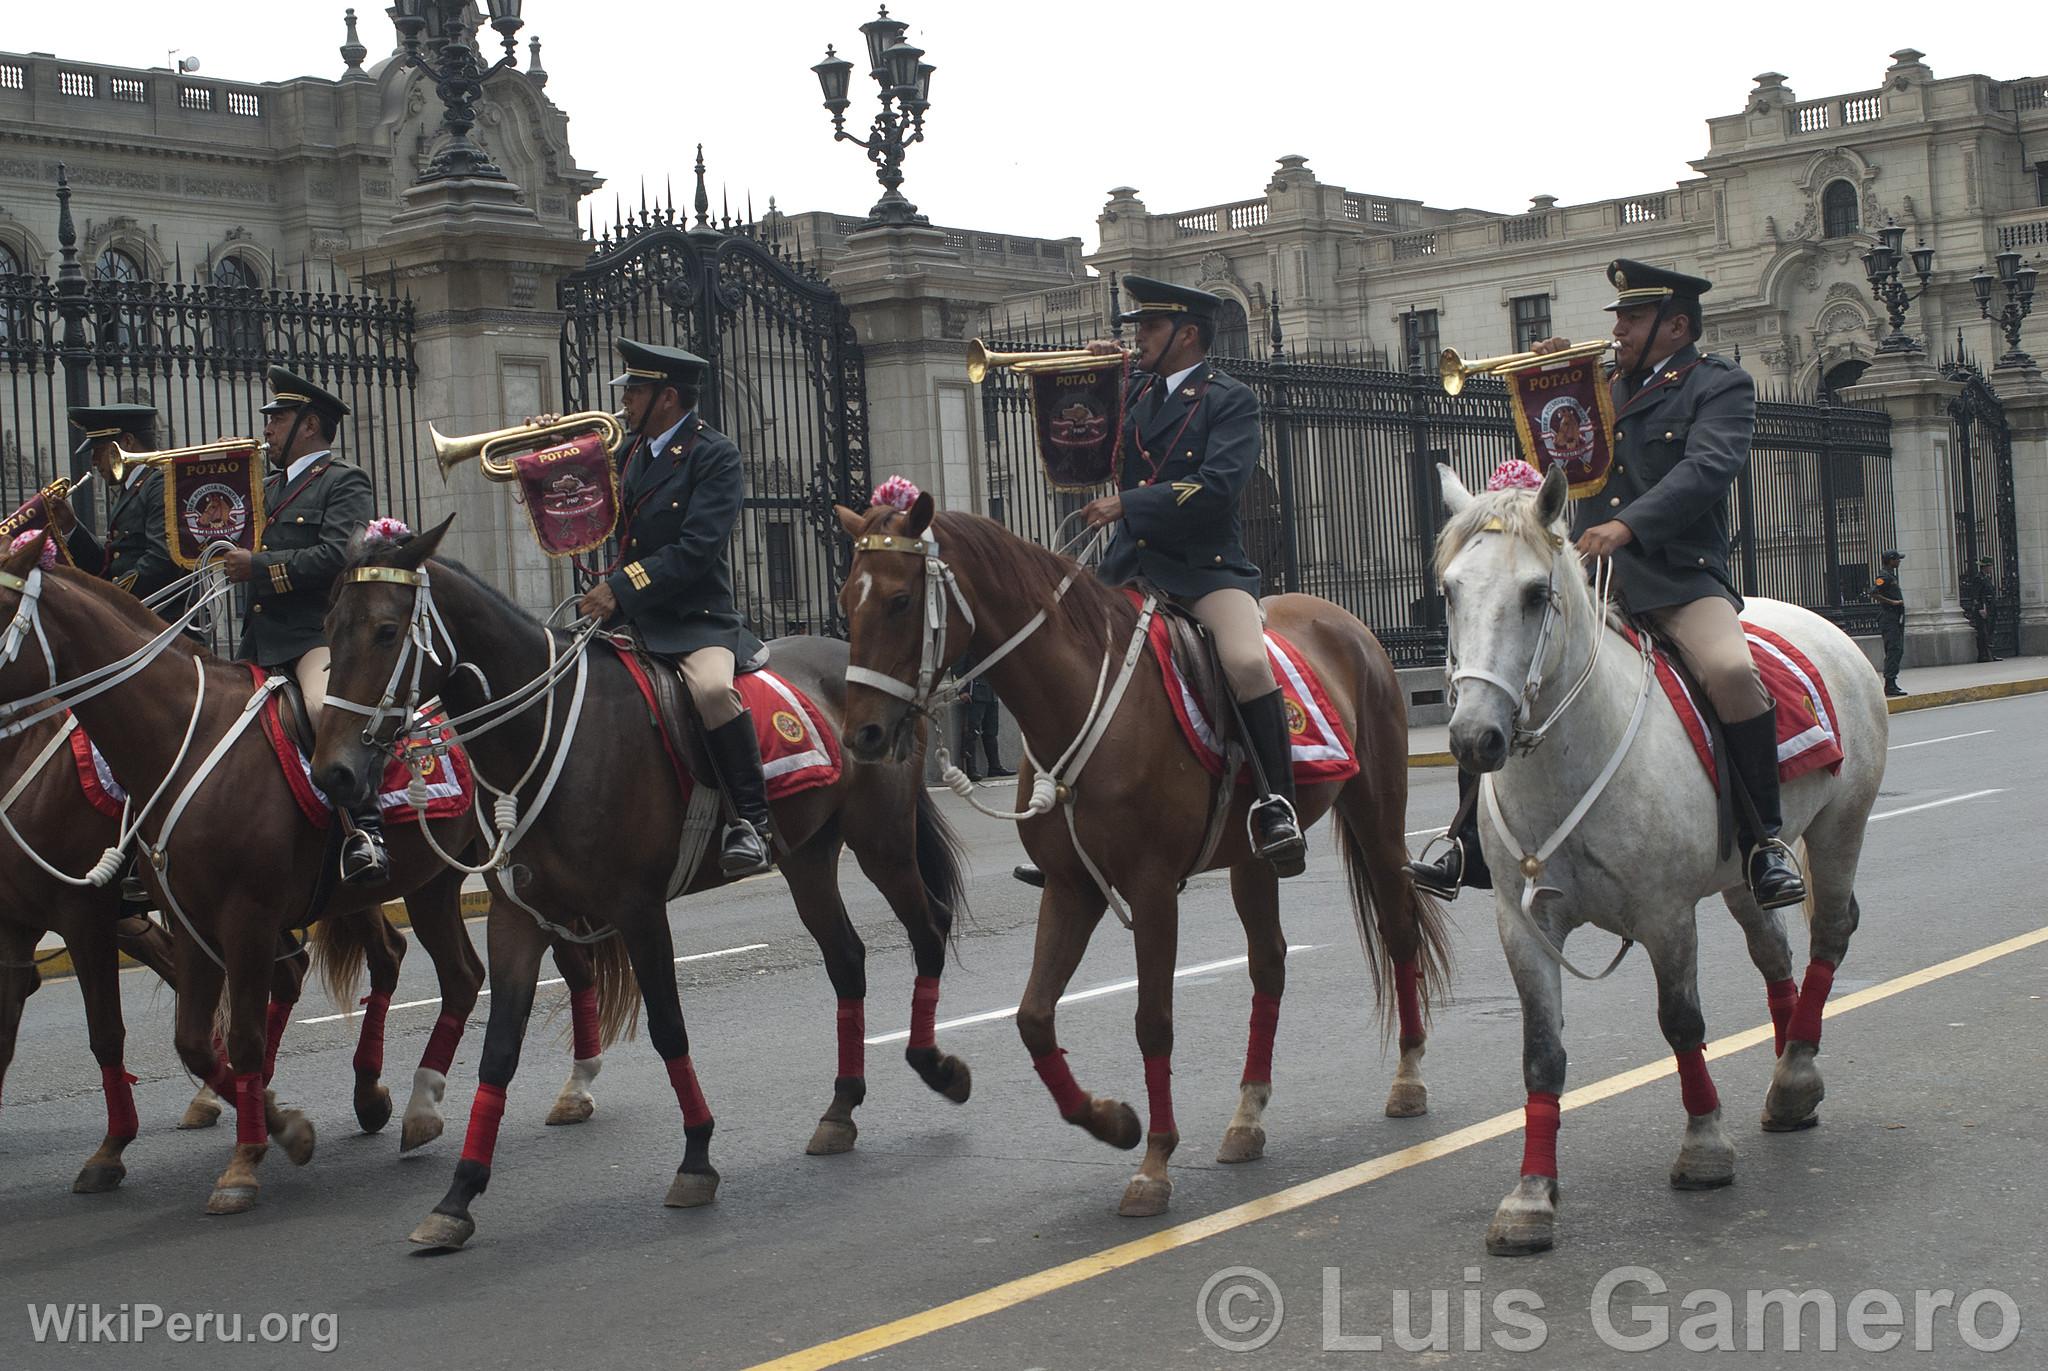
x,y
363,859
1287,850
1445,876
743,852
1785,896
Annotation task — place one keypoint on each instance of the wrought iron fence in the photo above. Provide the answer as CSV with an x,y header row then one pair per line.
x,y
1345,505
1982,497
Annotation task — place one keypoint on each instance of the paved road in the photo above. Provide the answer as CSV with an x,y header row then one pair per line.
x,y
1925,1175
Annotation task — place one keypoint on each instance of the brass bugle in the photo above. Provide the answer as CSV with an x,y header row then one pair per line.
x,y
495,450
124,459
1455,370
980,361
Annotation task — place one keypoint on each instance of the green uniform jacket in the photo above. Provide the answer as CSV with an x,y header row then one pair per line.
x,y
307,527
135,555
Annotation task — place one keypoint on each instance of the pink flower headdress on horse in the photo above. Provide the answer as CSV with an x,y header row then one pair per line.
x,y
387,529
49,557
1515,474
896,493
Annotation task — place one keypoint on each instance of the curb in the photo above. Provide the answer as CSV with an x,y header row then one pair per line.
x,y
1905,704
475,903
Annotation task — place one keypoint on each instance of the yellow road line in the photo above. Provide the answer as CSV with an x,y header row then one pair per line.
x,y
1015,1292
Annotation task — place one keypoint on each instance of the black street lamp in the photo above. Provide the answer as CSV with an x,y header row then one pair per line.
x,y
905,78
451,60
2018,280
1881,266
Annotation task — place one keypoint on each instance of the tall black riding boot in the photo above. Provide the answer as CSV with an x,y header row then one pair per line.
x,y
1753,753
1462,863
363,859
1276,831
736,755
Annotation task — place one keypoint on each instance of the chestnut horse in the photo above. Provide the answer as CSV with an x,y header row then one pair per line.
x,y
241,862
926,589
606,818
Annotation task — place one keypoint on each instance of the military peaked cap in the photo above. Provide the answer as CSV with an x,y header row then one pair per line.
x,y
99,422
289,390
650,364
1638,283
1152,299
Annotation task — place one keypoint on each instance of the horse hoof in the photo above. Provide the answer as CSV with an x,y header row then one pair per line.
x,y
1242,1145
1775,1125
1407,1100
373,1108
1526,1221
1120,1129
1145,1197
98,1178
231,1199
571,1109
419,1130
691,1188
1703,1170
833,1137
203,1112
296,1138
444,1231
961,1083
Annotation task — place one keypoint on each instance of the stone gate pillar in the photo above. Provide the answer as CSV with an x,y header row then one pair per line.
x,y
2024,393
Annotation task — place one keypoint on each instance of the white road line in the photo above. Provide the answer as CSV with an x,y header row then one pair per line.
x,y
1094,992
1934,804
1431,832
1929,742
554,980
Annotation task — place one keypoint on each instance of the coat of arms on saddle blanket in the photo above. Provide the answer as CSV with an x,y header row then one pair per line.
x,y
798,749
1807,736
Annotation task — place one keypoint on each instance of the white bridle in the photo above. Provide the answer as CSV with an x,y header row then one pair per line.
x,y
1525,692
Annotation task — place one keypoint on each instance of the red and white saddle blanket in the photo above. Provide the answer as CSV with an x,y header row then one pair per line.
x,y
1322,751
799,750
1807,736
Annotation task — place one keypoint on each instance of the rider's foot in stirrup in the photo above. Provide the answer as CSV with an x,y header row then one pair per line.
x,y
363,859
1028,874
1443,877
1774,879
1277,836
742,853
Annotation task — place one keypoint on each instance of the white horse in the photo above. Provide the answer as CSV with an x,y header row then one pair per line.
x,y
1599,812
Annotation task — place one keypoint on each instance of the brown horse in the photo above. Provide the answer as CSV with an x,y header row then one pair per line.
x,y
1141,773
242,861
603,844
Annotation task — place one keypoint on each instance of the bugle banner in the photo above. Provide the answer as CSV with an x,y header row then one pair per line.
x,y
212,497
571,494
1564,412
1079,409
35,514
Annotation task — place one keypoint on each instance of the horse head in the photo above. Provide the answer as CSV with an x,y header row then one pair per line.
x,y
382,665
24,670
895,646
1509,573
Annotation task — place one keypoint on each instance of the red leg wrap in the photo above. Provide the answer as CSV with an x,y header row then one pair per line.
x,y
1539,1135
683,1077
1695,1085
583,1018
440,1053
1408,996
274,1020
250,1124
853,1026
1813,996
1782,995
924,1012
1159,1092
114,1080
370,1042
482,1139
1052,1069
1258,1052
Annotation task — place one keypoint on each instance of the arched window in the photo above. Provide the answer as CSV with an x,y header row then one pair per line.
x,y
237,324
1838,210
1233,331
1840,376
234,271
10,261
116,265
13,295
120,322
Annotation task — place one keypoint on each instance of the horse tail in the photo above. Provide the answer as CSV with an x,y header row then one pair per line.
x,y
618,993
339,946
941,869
1432,932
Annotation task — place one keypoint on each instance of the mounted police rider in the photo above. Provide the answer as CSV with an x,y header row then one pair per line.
x,y
135,555
1682,435
682,485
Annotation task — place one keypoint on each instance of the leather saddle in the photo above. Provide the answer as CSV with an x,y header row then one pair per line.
x,y
1194,652
1725,799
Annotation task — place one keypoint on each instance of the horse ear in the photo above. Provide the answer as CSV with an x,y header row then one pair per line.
x,y
23,558
849,520
415,553
1554,499
919,517
1456,497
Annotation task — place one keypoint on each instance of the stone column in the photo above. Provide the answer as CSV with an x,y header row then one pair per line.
x,y
1907,387
481,270
2025,393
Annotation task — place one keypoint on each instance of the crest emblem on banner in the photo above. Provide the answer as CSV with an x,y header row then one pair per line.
x,y
571,494
1079,409
212,497
1564,414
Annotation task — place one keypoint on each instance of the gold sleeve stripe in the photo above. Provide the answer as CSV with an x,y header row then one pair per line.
x,y
1184,491
280,578
637,575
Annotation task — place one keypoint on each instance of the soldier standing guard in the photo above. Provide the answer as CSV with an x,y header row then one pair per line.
x,y
135,556
314,503
1980,607
1682,432
682,486
1891,620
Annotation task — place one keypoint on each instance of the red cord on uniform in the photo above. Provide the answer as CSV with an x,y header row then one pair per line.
x,y
1782,997
1813,997
1695,1086
853,1020
370,1041
1539,1134
1258,1053
583,1019
440,1053
924,1012
1159,1093
683,1077
1052,1068
484,1113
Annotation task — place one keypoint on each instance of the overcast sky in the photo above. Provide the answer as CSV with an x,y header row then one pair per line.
x,y
1038,109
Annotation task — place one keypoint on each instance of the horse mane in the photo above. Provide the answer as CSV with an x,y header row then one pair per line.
x,y
386,552
1096,610
1512,514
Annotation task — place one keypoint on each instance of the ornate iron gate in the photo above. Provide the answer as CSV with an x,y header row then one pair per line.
x,y
1981,494
788,386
